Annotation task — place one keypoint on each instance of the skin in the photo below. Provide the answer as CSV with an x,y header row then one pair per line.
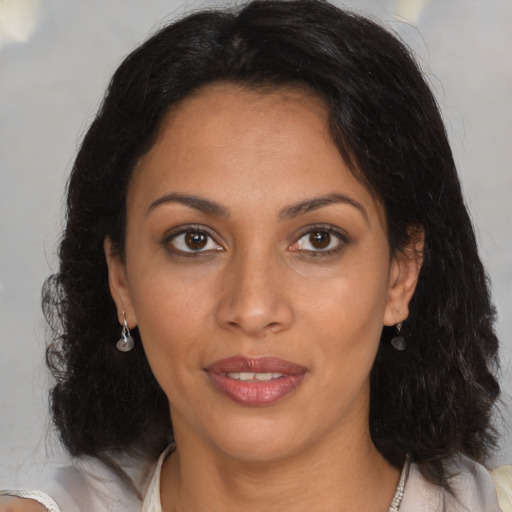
x,y
12,504
259,287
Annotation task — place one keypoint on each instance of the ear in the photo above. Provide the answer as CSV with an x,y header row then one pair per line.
x,y
403,277
118,283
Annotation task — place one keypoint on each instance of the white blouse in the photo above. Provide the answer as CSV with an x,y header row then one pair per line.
x,y
89,486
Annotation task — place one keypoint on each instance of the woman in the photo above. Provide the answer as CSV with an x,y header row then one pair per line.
x,y
266,214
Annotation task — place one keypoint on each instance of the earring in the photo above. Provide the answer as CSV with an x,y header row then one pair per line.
x,y
398,342
125,343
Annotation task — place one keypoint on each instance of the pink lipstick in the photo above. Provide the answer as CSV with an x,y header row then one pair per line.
x,y
255,382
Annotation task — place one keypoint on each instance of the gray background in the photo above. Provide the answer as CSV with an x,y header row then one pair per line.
x,y
55,60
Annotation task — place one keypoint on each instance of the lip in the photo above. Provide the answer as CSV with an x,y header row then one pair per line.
x,y
251,393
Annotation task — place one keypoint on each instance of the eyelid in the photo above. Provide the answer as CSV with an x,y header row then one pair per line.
x,y
332,230
186,228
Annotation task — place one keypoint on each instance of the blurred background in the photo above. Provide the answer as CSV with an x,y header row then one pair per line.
x,y
56,58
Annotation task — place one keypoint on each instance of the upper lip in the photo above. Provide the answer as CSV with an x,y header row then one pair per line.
x,y
266,364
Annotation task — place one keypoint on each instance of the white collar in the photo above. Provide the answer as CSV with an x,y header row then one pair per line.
x,y
152,501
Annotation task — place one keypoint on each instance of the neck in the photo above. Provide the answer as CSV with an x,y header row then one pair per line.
x,y
347,475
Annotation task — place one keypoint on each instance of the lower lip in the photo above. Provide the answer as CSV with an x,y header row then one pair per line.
x,y
255,394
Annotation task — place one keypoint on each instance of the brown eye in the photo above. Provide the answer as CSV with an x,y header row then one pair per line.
x,y
320,239
196,241
192,241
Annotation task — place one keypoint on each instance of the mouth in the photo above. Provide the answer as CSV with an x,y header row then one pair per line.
x,y
255,382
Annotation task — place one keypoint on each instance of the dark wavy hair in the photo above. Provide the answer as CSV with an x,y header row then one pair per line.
x,y
429,402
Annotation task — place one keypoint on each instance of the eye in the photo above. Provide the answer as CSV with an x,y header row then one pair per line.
x,y
193,241
319,240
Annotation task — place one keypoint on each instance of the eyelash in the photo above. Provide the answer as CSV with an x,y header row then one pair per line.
x,y
343,240
171,237
183,230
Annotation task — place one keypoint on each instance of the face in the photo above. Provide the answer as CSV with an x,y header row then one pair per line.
x,y
258,271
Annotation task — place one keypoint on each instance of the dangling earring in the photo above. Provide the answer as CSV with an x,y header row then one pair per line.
x,y
125,343
398,342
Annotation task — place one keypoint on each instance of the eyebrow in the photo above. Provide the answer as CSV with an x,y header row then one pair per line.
x,y
198,203
289,212
308,205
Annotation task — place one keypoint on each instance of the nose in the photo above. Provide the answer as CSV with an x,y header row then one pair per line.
x,y
254,299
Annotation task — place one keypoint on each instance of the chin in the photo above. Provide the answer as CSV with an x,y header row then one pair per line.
x,y
259,451
260,441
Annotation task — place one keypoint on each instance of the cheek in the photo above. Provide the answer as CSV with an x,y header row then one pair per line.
x,y
351,300
173,310
344,318
347,343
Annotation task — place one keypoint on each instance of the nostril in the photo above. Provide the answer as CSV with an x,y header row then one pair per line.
x,y
246,326
254,310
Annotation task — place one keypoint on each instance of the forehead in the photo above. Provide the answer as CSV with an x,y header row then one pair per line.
x,y
230,117
263,144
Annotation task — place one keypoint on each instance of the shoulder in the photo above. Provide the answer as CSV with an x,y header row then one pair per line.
x,y
502,477
472,487
17,504
84,485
